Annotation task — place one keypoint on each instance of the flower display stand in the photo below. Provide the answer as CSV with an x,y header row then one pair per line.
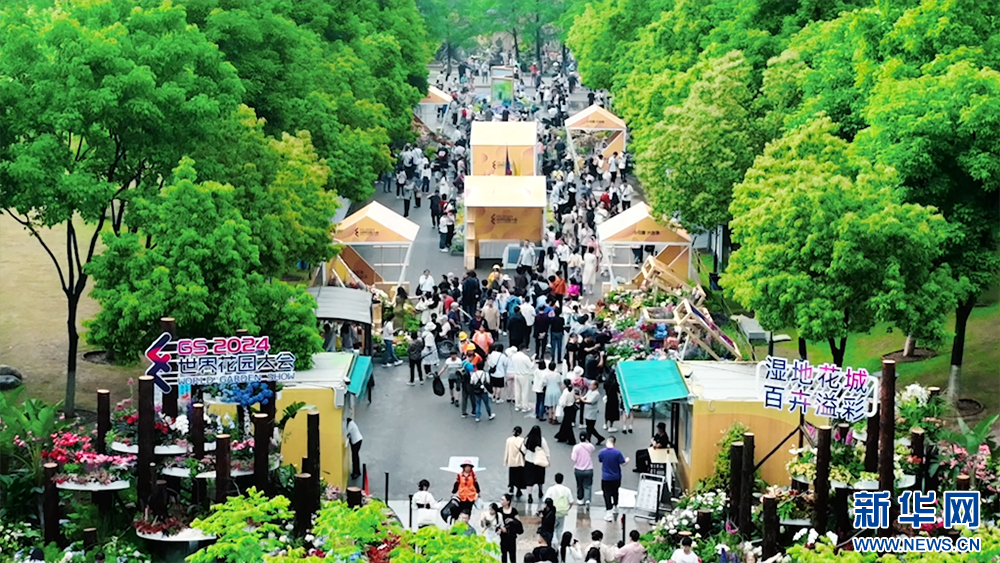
x,y
171,449
93,487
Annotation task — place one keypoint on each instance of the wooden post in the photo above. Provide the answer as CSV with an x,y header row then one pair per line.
x,y
223,466
822,482
735,481
312,448
747,488
354,497
50,505
158,498
261,448
769,546
840,512
303,504
271,408
103,419
704,520
89,539
962,482
169,325
918,451
887,435
934,391
147,419
843,429
196,437
871,443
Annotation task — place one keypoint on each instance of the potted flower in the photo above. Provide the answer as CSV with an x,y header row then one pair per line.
x,y
169,435
82,468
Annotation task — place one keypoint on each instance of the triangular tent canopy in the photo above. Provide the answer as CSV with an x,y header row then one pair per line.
x,y
636,224
436,95
595,118
505,191
375,224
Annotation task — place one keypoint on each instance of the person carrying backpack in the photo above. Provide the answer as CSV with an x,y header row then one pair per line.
x,y
562,498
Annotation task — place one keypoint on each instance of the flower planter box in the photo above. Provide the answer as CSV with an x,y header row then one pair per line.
x,y
93,487
172,449
185,474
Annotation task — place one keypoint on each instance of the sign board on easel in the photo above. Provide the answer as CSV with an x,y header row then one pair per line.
x,y
647,498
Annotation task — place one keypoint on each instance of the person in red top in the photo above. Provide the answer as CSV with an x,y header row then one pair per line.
x,y
466,487
558,286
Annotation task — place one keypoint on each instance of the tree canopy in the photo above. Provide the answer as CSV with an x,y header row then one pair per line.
x,y
283,105
910,85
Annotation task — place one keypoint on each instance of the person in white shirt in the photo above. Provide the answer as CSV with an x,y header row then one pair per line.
x,y
683,554
527,256
613,167
522,367
389,355
425,504
354,437
528,312
626,196
607,552
426,283
538,387
562,499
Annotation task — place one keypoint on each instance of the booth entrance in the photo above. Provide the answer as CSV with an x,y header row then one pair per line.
x,y
499,211
377,245
503,148
427,108
627,239
607,130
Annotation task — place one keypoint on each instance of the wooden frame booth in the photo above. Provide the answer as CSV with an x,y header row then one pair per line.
x,y
499,211
377,242
596,119
635,228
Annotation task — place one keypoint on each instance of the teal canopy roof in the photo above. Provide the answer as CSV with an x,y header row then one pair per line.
x,y
361,372
650,381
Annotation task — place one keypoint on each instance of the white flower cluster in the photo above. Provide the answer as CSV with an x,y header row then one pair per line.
x,y
180,424
685,516
812,536
914,393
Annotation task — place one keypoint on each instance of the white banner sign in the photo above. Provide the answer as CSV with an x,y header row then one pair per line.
x,y
796,386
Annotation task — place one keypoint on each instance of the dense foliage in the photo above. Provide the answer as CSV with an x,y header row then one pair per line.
x,y
289,103
908,86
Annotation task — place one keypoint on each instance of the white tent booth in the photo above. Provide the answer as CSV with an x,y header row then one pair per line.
x,y
377,245
610,129
426,109
624,239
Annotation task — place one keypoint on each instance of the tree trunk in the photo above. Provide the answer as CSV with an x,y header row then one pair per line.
x,y
716,249
909,346
73,301
803,350
838,351
447,56
727,244
958,347
513,32
538,45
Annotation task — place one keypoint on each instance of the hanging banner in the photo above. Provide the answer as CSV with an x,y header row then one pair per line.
x,y
848,394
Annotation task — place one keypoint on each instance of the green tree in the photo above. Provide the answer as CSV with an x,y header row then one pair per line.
x,y
279,188
702,147
100,100
940,132
826,245
453,24
202,269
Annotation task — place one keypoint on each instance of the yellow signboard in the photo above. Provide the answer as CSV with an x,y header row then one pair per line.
x,y
507,223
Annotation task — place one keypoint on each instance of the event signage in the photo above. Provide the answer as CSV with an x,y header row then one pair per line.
x,y
848,394
220,360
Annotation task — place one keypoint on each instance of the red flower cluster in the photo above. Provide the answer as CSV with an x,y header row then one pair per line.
x,y
380,553
65,446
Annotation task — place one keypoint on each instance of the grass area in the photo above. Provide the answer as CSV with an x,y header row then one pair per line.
x,y
33,319
980,369
981,363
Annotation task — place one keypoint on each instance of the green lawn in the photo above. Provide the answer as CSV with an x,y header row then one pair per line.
x,y
981,364
980,369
